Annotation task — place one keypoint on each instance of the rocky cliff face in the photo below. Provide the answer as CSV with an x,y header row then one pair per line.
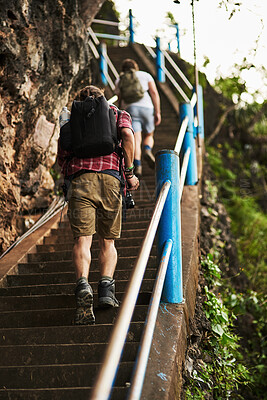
x,y
44,59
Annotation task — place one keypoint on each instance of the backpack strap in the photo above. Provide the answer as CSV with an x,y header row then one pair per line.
x,y
123,180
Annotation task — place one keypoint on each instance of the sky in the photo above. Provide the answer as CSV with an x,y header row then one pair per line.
x,y
222,40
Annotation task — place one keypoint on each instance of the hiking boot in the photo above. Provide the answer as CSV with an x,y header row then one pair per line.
x,y
106,294
149,157
84,303
138,171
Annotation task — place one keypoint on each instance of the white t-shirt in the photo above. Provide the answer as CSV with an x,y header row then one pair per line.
x,y
144,78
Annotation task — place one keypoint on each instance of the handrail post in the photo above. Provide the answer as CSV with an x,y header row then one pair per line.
x,y
131,29
167,167
189,141
177,38
103,66
199,112
160,62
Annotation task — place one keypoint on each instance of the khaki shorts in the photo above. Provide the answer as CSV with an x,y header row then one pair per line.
x,y
95,199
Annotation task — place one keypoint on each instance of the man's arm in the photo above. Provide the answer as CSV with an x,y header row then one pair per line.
x,y
128,152
128,146
153,91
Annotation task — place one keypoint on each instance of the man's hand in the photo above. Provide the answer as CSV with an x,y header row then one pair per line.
x,y
157,118
132,183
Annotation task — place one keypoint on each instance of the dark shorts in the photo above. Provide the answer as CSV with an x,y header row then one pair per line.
x,y
95,205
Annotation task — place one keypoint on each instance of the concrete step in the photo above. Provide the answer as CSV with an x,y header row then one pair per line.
x,y
123,242
64,288
44,302
61,317
131,234
65,334
25,355
118,393
126,225
56,376
68,277
67,255
67,266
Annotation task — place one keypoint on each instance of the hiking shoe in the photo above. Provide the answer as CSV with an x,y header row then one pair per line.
x,y
150,159
106,294
84,303
138,171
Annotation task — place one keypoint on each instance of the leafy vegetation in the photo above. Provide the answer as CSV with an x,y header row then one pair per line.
x,y
222,372
249,225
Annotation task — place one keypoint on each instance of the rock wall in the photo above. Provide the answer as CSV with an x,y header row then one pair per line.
x,y
44,60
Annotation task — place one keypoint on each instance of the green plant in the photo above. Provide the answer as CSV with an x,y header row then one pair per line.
x,y
211,271
253,305
249,225
222,371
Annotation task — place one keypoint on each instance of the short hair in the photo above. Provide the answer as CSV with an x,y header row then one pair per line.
x,y
91,90
128,64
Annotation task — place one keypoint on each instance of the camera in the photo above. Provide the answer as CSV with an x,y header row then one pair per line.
x,y
129,201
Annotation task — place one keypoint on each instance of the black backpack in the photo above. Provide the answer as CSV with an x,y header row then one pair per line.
x,y
92,130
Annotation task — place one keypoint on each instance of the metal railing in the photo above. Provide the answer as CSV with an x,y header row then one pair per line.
x,y
104,59
55,207
107,373
146,340
169,242
99,52
169,76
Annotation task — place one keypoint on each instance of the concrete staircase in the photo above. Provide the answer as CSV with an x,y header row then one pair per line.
x,y
42,354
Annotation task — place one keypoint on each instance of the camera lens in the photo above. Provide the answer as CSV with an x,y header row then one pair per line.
x,y
129,201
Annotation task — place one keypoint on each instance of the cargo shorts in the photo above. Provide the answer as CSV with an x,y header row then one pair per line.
x,y
95,205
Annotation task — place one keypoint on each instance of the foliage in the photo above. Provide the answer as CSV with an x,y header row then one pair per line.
x,y
107,12
244,118
56,175
253,304
222,372
231,7
234,86
171,18
231,87
249,225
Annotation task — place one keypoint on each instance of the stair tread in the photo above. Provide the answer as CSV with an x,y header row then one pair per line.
x,y
64,334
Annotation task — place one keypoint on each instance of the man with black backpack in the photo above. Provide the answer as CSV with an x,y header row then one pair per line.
x,y
94,166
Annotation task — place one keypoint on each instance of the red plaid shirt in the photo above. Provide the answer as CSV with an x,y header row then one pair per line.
x,y
72,165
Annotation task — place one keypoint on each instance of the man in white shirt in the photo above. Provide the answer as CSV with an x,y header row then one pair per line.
x,y
145,114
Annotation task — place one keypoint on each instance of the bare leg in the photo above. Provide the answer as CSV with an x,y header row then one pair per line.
x,y
138,142
107,257
149,139
107,261
148,145
81,256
